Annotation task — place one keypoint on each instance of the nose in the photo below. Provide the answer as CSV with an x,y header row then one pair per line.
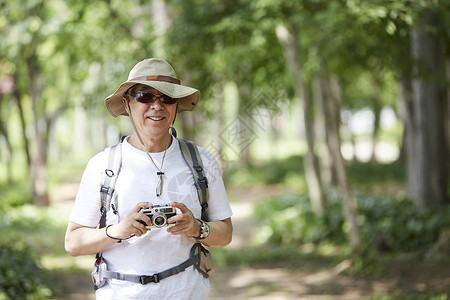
x,y
157,105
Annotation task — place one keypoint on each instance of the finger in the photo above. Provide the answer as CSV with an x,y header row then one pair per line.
x,y
139,229
178,229
143,217
180,206
177,219
141,205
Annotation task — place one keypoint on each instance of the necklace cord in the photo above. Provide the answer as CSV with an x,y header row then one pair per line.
x,y
160,173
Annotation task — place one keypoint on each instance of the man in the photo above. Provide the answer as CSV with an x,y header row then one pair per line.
x,y
153,172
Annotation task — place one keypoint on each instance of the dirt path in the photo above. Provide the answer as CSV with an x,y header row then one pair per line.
x,y
271,280
312,279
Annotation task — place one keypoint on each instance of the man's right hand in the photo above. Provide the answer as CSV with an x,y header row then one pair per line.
x,y
133,223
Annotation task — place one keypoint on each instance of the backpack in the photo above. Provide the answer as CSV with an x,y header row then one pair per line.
x,y
191,157
200,257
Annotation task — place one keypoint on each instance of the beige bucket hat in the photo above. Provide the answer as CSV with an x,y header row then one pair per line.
x,y
158,74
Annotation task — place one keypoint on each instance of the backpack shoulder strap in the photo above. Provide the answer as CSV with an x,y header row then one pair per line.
x,y
109,178
194,161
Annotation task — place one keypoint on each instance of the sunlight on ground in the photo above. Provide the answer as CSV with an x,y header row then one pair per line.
x,y
283,283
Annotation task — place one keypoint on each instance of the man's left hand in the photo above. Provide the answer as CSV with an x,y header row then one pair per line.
x,y
186,223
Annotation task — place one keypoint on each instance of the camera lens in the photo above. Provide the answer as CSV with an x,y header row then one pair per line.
x,y
159,220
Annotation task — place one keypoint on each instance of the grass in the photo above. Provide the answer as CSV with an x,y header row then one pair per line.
x,y
287,255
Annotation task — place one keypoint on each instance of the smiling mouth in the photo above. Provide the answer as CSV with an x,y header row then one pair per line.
x,y
156,118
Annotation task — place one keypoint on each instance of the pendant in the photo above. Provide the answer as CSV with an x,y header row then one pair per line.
x,y
159,186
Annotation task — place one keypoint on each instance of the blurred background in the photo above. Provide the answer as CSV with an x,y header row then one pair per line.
x,y
329,119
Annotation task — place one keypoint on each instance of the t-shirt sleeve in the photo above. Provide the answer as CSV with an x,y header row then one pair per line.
x,y
218,206
86,209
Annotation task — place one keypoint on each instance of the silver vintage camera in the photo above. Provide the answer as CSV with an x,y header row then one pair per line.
x,y
159,214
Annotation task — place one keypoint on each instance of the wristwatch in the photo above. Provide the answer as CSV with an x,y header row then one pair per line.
x,y
204,230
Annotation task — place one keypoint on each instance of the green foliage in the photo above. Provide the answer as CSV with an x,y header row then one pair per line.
x,y
28,226
14,195
268,173
387,224
268,254
396,225
359,89
289,219
371,172
20,275
31,227
24,227
291,170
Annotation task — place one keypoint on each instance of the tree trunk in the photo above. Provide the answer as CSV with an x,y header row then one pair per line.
x,y
328,171
427,178
8,155
244,126
38,170
447,115
407,113
311,161
23,123
376,107
289,40
331,107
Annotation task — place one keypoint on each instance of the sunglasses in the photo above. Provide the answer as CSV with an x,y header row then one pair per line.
x,y
145,97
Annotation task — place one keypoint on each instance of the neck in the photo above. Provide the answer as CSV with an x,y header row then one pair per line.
x,y
152,145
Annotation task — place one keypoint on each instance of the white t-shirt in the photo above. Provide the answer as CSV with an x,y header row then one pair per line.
x,y
157,250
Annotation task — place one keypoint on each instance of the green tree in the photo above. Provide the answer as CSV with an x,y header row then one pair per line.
x,y
60,53
428,149
221,43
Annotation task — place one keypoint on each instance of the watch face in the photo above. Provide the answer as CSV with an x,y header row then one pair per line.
x,y
205,230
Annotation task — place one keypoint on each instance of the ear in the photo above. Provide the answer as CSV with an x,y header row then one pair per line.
x,y
175,117
125,99
126,103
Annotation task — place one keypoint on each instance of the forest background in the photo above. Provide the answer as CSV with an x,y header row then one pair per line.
x,y
342,103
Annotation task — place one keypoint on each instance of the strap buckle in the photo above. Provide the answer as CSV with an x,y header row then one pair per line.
x,y
106,190
202,183
144,279
198,168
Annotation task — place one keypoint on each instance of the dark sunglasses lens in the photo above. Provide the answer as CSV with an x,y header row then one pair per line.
x,y
150,98
145,97
168,100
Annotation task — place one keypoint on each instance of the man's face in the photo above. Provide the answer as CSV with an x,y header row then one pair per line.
x,y
152,119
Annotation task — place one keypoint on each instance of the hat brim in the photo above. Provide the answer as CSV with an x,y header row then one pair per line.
x,y
187,97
